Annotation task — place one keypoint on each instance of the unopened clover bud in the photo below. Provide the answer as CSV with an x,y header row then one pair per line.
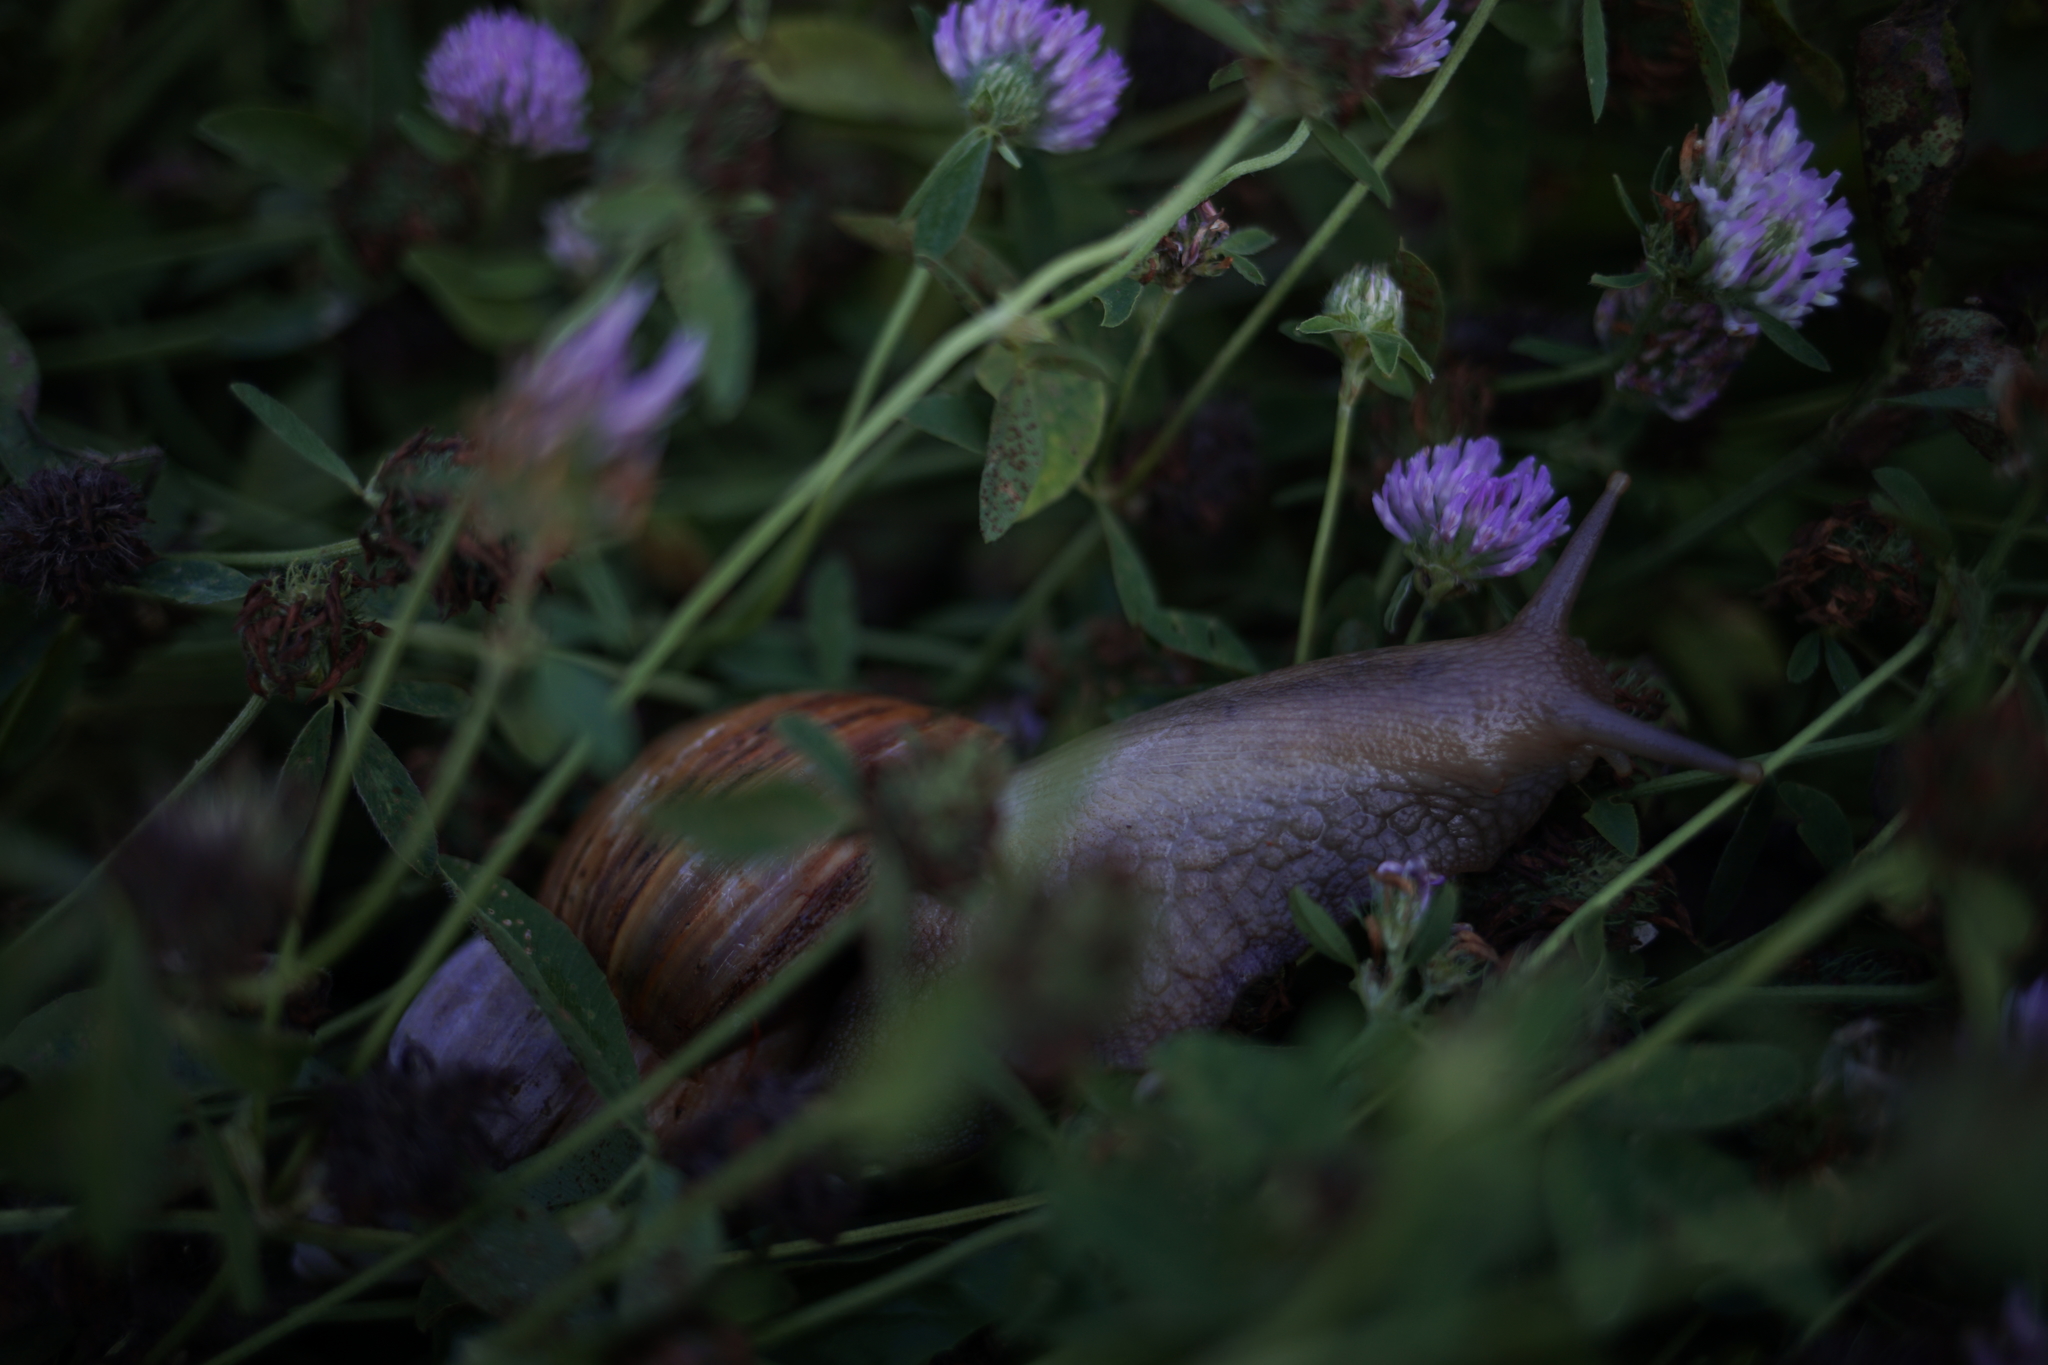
x,y
1363,314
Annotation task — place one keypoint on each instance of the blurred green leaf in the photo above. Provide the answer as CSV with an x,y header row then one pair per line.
x,y
1716,27
1841,668
197,582
1738,858
832,621
503,1262
1593,49
944,204
390,796
1615,820
1422,304
1531,23
1248,241
435,700
830,763
1804,660
1118,300
709,293
1351,158
1319,929
493,300
1628,281
558,973
839,68
299,148
1194,634
1705,1085
559,701
1822,825
1786,338
1589,1190
305,767
753,823
951,418
1907,500
1990,918
297,436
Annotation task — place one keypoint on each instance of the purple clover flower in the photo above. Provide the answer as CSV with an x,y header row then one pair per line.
x,y
585,386
2026,1020
503,75
1461,521
567,239
1422,43
1683,353
1764,214
1031,71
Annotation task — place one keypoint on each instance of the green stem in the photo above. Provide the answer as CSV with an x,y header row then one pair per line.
x,y
2022,516
332,550
885,1287
1326,526
1809,922
1563,374
1875,1271
752,1166
370,697
1254,323
1674,545
202,1308
877,362
238,727
950,349
890,1232
1252,165
1032,605
1600,901
453,769
675,687
1148,337
1831,748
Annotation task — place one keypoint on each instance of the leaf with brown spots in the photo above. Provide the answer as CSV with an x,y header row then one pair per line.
x,y
1912,100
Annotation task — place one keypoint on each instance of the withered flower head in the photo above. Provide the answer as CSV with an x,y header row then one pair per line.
x,y
301,627
1845,568
2021,392
1977,786
211,877
420,481
410,1137
68,533
1190,250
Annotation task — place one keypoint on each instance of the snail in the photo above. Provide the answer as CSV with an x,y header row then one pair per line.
x,y
1213,807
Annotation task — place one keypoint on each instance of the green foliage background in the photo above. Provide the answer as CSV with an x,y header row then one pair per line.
x,y
1792,1120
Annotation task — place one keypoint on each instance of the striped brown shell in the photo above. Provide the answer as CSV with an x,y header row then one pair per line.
x,y
682,936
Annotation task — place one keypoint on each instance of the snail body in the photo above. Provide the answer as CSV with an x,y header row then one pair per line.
x,y
1213,808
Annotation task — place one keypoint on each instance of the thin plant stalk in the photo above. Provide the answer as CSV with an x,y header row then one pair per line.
x,y
202,765
950,349
368,905
1326,525
871,371
882,1288
1255,322
332,550
1812,920
1600,901
370,697
454,768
